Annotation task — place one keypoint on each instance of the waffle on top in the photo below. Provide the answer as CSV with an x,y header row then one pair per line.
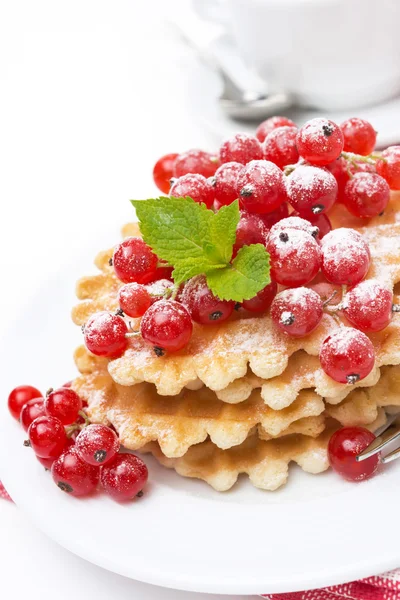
x,y
247,352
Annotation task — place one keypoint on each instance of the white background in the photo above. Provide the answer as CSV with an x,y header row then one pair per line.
x,y
91,94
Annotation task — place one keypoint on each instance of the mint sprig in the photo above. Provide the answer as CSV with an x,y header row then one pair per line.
x,y
195,240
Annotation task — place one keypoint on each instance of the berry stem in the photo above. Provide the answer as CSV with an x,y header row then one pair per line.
x,y
132,334
84,417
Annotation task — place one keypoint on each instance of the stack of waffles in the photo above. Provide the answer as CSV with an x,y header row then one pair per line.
x,y
241,397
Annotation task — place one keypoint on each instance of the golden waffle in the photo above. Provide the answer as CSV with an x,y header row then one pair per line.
x,y
141,415
265,462
246,352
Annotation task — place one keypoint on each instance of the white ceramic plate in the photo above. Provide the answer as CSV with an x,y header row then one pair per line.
x,y
316,531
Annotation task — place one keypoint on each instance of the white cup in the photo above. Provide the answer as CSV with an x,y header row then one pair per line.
x,y
329,54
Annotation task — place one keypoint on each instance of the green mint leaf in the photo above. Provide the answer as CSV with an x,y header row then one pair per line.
x,y
190,267
223,230
175,228
244,278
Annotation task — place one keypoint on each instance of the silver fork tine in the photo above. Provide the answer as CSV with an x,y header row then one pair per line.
x,y
391,456
385,436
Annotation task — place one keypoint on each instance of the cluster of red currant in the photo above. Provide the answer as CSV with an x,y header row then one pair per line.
x,y
308,169
79,454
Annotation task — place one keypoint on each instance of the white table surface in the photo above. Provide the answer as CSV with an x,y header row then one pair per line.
x,y
91,94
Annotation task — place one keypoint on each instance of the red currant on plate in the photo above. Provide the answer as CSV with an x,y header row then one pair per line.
x,y
134,261
389,168
275,216
158,288
240,148
295,256
47,437
20,396
340,170
344,445
297,223
203,306
270,124
166,325
163,172
193,186
347,355
261,187
368,306
320,141
124,477
31,411
366,195
97,444
321,221
311,190
345,256
225,183
359,136
297,311
134,299
262,301
195,161
250,230
280,146
105,334
64,404
73,475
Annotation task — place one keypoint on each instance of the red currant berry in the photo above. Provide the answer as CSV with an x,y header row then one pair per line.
x,y
158,288
166,325
329,293
340,170
193,186
280,146
270,124
297,312
124,477
250,230
31,411
320,141
162,272
20,396
345,256
67,385
64,404
46,462
368,306
311,190
97,444
195,161
366,195
240,148
134,261
347,355
389,168
105,334
163,172
134,299
203,306
344,445
74,475
261,187
359,136
225,183
295,256
47,437
295,222
262,301
275,216
321,221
